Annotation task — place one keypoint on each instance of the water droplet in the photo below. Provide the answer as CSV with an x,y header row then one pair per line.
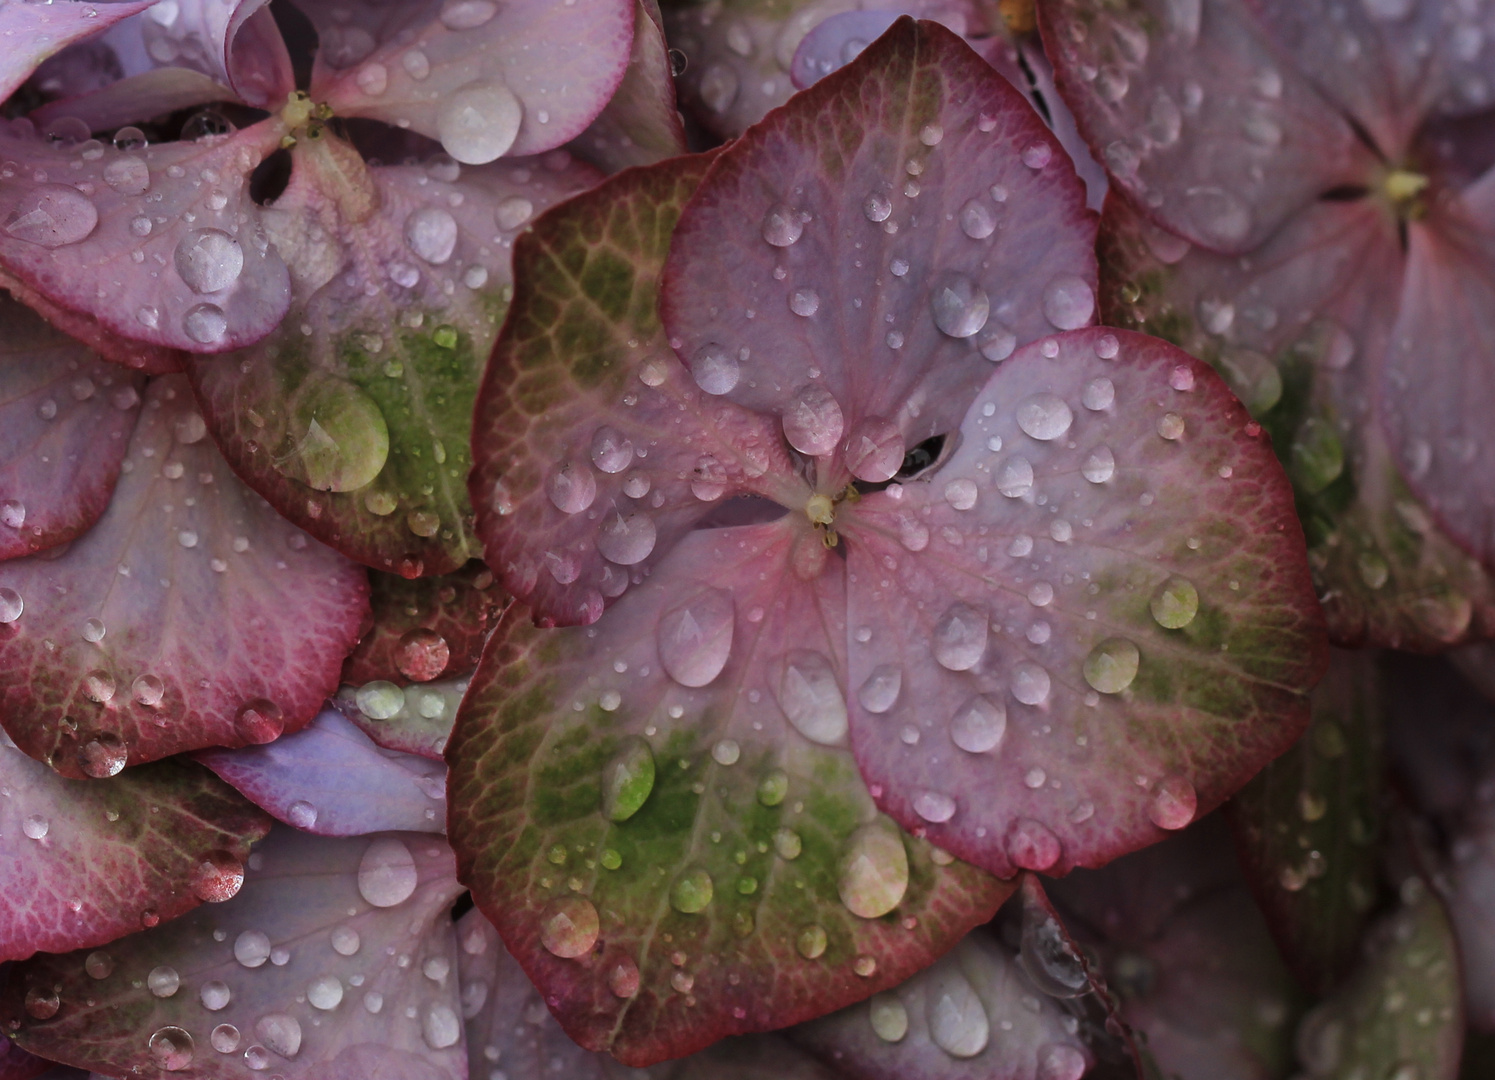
x,y
252,948
42,1003
52,216
479,122
880,691
1015,479
1175,603
977,220
440,1026
93,630
957,1020
773,788
345,940
715,370
387,874
782,225
787,843
623,979
421,654
171,1049
1174,803
810,696
1049,959
611,451
1044,416
431,232
1068,302
205,324
513,212
99,965
1098,394
874,450
417,65
804,302
979,725
379,700
877,207
35,826
718,87
102,756
812,421
627,779
163,981
888,1016
1316,455
1032,846
1037,154
1100,466
959,639
216,877
959,305
961,493
873,871
467,14
1219,216
259,722
811,942
569,927
692,891
129,138
1030,683
934,806
372,79
280,1032
695,639
11,605
215,995
148,690
13,513
224,1038
208,260
571,488
1112,665
1171,426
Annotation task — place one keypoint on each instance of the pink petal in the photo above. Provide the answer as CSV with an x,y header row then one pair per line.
x,y
1060,119
151,359
1197,119
353,419
1300,331
33,32
151,243
954,227
208,50
641,124
969,1017
832,44
567,771
361,974
508,1023
484,78
426,628
146,832
594,450
189,616
66,418
415,720
330,779
1098,611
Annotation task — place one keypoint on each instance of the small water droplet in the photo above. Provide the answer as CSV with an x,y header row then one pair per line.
x,y
421,654
787,843
42,1003
479,122
877,206
782,225
1175,603
1068,302
879,692
215,995
809,694
934,806
960,636
773,788
1030,683
569,927
726,752
1171,426
889,1017
148,690
1174,803
163,981
812,421
431,233
35,826
1015,478
1044,416
692,891
280,1032
13,513
224,1038
811,942
99,965
102,756
467,14
961,493
379,700
627,779
695,639
1037,154
205,324
977,220
571,488
216,877
252,948
874,450
1112,665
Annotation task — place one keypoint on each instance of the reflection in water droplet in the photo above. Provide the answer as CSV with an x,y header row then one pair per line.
x,y
773,788
1174,803
782,225
1098,394
623,978
215,995
1030,683
873,871
1112,665
812,421
479,122
934,806
379,700
809,693
960,636
224,1038
569,926
1044,416
421,654
35,826
1015,479
880,691
216,877
627,779
99,965
252,948
102,756
571,488
208,260
171,1049
874,450
957,1020
692,891
259,722
811,942
163,981
1175,603
979,725
960,307
889,1017
1068,302
42,1002
336,436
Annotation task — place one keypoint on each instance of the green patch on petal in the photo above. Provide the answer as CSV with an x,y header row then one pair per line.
x,y
1310,830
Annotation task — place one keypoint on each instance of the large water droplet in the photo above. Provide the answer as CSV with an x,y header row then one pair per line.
x,y
959,305
1100,466
627,779
325,992
960,637
11,605
35,826
1030,683
171,1049
873,871
1068,302
1174,803
163,981
1175,603
208,260
259,722
13,513
99,965
51,216
695,639
387,874
1032,845
810,696
42,1002
715,370
252,948
961,493
422,654
877,207
874,450
611,451
569,927
879,692
379,700
572,487
345,940
337,438
224,1038
431,232
148,690
782,225
479,122
215,995
1098,394
979,725
1015,479
128,175
280,1032
692,891
216,877
957,1020
977,220
102,756
812,421
889,1018
1112,665
1044,416
626,539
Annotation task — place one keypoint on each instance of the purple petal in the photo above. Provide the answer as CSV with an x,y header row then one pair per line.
x,y
836,42
33,32
641,124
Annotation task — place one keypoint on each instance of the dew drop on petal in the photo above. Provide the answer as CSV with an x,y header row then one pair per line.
x,y
104,755
782,225
216,877
1044,416
811,942
11,605
208,260
13,513
467,14
934,806
1015,478
171,1049
431,233
1175,603
726,752
252,948
692,891
874,450
1059,1062
813,422
224,1038
889,1017
163,981
877,207
627,779
387,874
809,694
1068,302
960,636
280,1032
513,212
961,493
977,220
51,216
611,450
715,370
1174,803
695,639
205,324
879,692
421,654
773,788
569,927
479,122
35,826
215,995
623,978
379,700
1032,846
804,302
1030,683
979,725
1099,466
957,1020
1171,426
1037,154
626,539
128,175
873,872
345,940
99,965
147,689
960,306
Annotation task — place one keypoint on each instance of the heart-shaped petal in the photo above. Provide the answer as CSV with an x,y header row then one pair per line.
x,y
907,221
361,975
1195,116
33,32
484,78
330,779
1307,826
594,450
65,416
165,836
413,720
189,616
353,418
1094,617
662,818
425,628
641,124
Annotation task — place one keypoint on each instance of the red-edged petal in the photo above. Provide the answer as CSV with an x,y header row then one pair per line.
x,y
661,816
1300,331
65,418
413,720
161,244
1090,624
336,960
354,418
484,78
641,124
189,616
1197,117
154,834
974,1015
593,448
189,52
883,237
426,628
151,359
33,32
330,779
508,1024
1434,392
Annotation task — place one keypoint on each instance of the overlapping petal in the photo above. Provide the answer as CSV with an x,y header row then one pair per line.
x,y
1091,623
413,720
33,32
189,616
425,628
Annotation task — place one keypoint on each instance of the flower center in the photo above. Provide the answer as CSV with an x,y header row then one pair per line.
x,y
1404,188
303,118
